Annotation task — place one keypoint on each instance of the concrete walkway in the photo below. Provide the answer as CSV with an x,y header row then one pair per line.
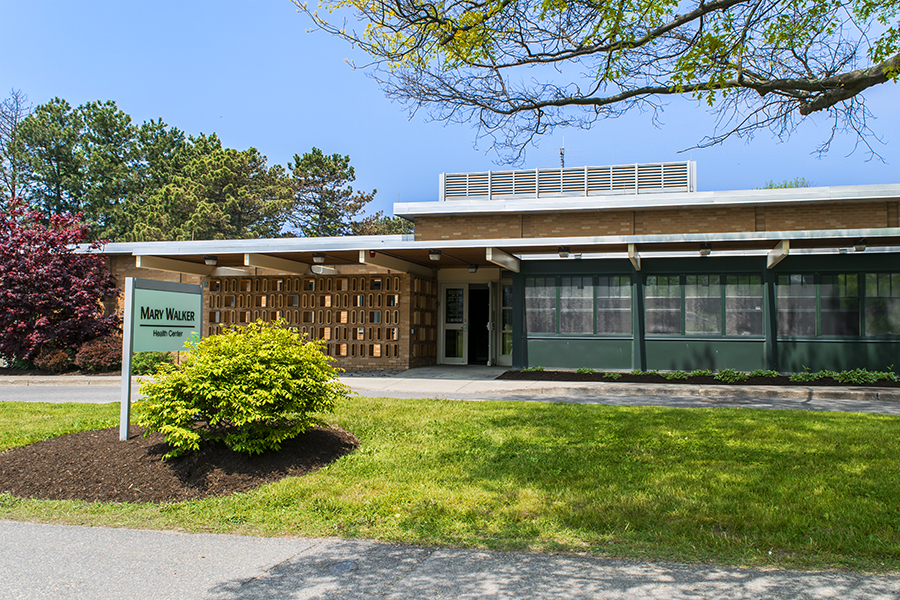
x,y
59,562
480,383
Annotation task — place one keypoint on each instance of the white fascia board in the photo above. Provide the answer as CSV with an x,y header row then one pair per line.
x,y
259,246
760,236
855,193
406,242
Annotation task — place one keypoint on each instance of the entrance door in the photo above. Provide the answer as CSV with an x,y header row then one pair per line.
x,y
454,302
466,324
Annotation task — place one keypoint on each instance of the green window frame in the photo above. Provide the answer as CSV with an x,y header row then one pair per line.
x,y
578,305
704,305
881,314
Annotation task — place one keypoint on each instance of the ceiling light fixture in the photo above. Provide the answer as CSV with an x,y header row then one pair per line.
x,y
434,255
211,260
318,258
563,252
473,268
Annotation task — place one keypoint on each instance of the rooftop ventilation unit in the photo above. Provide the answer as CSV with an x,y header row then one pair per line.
x,y
570,182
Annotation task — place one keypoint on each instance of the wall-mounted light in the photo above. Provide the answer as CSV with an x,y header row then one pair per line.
x,y
318,258
563,251
211,260
473,268
434,255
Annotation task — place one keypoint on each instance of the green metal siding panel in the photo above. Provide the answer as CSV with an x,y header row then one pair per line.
x,y
837,355
574,353
690,354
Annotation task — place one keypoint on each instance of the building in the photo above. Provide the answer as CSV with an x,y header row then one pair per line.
x,y
620,267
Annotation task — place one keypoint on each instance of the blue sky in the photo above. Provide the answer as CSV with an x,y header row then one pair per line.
x,y
249,71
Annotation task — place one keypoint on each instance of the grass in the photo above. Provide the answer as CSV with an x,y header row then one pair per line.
x,y
730,486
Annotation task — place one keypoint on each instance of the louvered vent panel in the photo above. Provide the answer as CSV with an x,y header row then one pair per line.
x,y
478,184
524,182
599,179
549,182
590,181
455,185
573,180
649,177
502,183
623,178
675,176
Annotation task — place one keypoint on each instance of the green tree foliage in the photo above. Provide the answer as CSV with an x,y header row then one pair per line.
x,y
152,182
520,68
379,224
796,182
50,137
219,194
253,388
324,203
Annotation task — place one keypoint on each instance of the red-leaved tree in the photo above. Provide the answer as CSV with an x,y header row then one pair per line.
x,y
50,293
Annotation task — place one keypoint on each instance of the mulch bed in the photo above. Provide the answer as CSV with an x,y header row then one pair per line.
x,y
783,380
96,466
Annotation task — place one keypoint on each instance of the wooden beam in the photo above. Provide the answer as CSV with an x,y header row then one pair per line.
x,y
394,264
176,266
276,264
502,259
778,254
634,257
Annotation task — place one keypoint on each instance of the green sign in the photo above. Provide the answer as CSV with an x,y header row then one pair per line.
x,y
160,316
164,320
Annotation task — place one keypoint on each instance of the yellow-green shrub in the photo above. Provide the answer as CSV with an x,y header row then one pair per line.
x,y
252,387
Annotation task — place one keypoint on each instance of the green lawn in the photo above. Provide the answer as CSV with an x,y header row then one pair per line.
x,y
732,486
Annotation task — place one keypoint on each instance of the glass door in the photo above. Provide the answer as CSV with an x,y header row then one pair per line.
x,y
454,346
505,333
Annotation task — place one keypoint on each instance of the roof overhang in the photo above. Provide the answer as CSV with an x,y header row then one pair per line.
x,y
404,254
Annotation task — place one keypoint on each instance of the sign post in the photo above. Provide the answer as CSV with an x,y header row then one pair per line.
x,y
160,316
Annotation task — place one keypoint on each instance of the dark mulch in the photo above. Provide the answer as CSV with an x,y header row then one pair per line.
x,y
96,466
648,378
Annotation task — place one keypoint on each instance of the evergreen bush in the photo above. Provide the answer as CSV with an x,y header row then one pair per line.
x,y
252,387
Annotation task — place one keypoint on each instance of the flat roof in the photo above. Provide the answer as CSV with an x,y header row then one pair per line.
x,y
659,200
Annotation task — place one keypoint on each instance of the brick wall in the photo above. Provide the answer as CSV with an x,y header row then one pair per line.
x,y
860,215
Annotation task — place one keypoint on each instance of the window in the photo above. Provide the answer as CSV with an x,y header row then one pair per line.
x,y
839,304
743,305
796,304
882,303
614,304
702,304
576,305
540,305
662,304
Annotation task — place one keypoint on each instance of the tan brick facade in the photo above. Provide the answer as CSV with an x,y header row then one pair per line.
x,y
796,217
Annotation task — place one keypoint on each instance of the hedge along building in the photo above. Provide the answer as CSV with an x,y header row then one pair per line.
x,y
618,267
